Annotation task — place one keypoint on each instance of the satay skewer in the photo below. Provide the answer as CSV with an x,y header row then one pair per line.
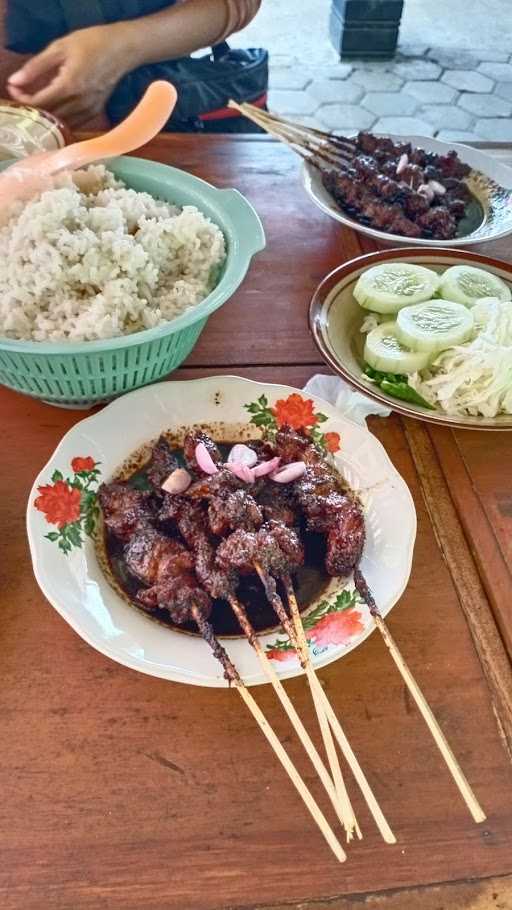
x,y
350,824
323,701
312,144
439,738
344,744
232,674
337,794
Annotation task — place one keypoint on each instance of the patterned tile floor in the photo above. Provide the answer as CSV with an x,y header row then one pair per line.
x,y
452,91
417,92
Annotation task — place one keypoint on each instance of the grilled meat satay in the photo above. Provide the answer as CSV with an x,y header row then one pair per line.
x,y
167,568
230,505
191,519
161,464
291,446
235,510
277,503
379,187
152,557
179,596
125,510
275,547
328,507
336,514
345,540
210,485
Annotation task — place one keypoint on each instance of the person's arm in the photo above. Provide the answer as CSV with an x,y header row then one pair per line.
x,y
184,28
75,75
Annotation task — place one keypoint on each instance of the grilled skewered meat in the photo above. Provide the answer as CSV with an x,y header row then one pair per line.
x,y
192,523
236,510
275,547
345,539
334,513
277,504
152,557
124,509
400,189
189,549
293,446
166,566
162,464
328,507
212,485
179,596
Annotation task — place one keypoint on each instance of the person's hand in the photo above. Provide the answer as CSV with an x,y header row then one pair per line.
x,y
75,75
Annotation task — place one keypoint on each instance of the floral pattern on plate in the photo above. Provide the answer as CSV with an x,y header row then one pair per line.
x,y
296,412
70,503
333,622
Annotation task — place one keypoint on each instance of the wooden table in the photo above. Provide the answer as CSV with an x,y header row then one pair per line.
x,y
124,791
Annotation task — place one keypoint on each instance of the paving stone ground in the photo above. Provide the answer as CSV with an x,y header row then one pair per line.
x,y
434,92
438,88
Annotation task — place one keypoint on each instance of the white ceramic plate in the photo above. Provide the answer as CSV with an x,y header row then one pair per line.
x,y
75,585
492,186
335,320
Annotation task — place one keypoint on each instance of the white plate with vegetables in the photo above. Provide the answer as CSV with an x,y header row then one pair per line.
x,y
427,332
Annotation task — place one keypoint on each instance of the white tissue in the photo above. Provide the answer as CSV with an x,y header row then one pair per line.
x,y
339,393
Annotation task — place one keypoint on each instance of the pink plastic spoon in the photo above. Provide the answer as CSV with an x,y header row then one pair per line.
x,y
34,174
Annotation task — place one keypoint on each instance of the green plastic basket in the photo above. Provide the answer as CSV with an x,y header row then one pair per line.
x,y
79,374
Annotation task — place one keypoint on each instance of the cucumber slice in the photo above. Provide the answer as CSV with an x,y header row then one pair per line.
x,y
384,352
434,326
466,284
388,287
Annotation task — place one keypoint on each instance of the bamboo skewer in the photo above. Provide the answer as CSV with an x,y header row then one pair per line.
x,y
343,143
313,145
314,686
439,738
316,689
208,634
343,742
325,729
337,794
316,692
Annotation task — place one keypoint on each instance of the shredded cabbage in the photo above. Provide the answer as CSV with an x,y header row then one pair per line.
x,y
370,322
474,378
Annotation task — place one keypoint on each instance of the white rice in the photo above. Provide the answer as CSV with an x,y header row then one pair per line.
x,y
78,266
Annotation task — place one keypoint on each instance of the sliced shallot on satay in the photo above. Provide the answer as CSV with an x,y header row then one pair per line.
x,y
204,442
423,706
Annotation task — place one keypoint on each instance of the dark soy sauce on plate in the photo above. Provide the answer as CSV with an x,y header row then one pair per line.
x,y
472,219
310,580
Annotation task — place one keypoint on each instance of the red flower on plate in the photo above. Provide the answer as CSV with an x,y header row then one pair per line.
x,y
332,442
59,503
281,654
336,628
83,464
295,411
